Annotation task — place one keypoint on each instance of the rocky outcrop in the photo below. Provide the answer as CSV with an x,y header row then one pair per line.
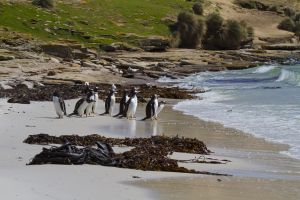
x,y
59,50
117,47
4,57
154,44
68,52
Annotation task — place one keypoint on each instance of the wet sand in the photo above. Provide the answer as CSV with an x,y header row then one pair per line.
x,y
258,170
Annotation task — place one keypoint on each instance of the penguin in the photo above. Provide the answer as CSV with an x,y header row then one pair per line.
x,y
95,97
131,105
59,105
81,106
123,101
113,87
86,88
161,105
90,100
151,107
110,103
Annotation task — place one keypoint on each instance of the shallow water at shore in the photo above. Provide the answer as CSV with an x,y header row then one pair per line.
x,y
263,101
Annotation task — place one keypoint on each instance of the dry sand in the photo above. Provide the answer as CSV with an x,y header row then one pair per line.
x,y
259,171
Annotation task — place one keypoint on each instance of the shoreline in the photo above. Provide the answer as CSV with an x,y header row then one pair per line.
x,y
256,164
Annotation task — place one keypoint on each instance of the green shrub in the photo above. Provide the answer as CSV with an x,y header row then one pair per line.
x,y
214,23
296,18
287,25
230,34
289,12
214,29
198,9
297,28
44,3
190,30
233,35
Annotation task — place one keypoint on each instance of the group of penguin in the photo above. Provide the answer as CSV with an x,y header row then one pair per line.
x,y
128,104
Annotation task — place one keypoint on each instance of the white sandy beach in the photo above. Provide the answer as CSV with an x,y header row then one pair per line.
x,y
19,181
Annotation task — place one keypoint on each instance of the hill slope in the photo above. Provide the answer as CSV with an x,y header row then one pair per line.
x,y
94,21
105,21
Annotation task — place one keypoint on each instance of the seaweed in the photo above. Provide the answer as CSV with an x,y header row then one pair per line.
x,y
149,154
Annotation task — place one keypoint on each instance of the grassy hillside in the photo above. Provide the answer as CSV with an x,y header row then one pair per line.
x,y
93,21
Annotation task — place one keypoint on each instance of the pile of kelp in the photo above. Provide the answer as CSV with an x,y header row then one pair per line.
x,y
22,94
149,153
171,144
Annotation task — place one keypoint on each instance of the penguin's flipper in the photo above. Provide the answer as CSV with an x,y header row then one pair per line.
x,y
64,107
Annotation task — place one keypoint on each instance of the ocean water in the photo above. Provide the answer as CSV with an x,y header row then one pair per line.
x,y
263,101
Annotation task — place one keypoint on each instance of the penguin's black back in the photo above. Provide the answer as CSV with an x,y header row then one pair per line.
x,y
77,105
62,105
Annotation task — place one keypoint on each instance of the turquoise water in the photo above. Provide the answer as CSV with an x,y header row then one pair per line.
x,y
263,101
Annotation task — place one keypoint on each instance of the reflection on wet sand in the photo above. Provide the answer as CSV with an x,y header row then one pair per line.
x,y
132,128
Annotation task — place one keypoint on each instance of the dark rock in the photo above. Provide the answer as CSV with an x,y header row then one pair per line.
x,y
128,75
51,73
59,50
4,58
108,48
77,54
117,47
154,44
20,100
21,93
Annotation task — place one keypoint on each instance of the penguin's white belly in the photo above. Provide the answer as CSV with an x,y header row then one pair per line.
x,y
89,108
57,107
82,107
112,105
132,108
155,108
94,107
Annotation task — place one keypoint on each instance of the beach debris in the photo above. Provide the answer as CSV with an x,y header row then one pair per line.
x,y
203,159
22,94
178,144
149,154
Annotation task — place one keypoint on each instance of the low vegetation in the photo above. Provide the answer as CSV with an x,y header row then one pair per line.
x,y
190,30
287,24
230,34
291,23
198,8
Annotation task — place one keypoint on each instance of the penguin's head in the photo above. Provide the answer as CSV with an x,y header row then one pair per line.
x,y
113,87
96,89
134,90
